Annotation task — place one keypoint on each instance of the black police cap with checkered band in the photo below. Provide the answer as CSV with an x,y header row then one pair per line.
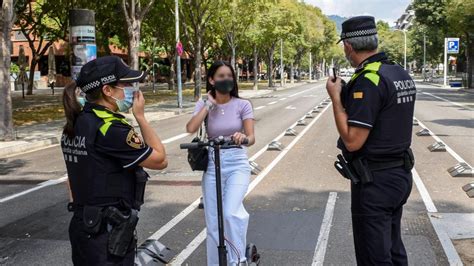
x,y
106,70
357,27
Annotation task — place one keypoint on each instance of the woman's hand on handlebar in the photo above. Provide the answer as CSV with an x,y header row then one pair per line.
x,y
239,138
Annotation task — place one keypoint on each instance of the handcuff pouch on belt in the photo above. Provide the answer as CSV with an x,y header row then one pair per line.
x,y
141,177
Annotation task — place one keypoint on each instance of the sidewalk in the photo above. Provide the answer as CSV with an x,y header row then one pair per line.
x,y
42,135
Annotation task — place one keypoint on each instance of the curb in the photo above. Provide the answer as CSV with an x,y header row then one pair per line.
x,y
28,146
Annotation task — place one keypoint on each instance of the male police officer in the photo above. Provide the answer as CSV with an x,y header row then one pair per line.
x,y
374,116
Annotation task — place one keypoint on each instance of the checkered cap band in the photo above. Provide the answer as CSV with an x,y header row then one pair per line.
x,y
359,33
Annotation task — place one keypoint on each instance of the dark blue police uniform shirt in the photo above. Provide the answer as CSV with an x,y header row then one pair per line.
x,y
386,108
122,143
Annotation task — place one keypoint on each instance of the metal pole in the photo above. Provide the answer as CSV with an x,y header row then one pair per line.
x,y
445,65
310,66
281,62
153,65
178,58
222,251
405,50
424,57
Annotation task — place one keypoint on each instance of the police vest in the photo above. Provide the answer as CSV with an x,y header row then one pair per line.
x,y
96,178
392,131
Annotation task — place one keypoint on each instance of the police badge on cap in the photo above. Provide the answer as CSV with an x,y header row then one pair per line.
x,y
357,27
106,70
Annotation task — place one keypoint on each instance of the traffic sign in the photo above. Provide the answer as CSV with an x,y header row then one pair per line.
x,y
179,48
453,45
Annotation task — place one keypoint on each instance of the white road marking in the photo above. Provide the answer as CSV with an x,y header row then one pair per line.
x,y
282,99
448,101
425,196
448,149
64,178
190,248
293,95
290,107
37,187
260,107
180,136
272,103
446,243
185,253
321,245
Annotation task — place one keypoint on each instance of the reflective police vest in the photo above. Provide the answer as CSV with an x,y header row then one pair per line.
x,y
385,85
96,178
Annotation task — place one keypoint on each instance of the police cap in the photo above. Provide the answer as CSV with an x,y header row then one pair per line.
x,y
357,27
106,70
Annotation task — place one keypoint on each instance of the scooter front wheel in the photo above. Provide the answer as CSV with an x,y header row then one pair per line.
x,y
253,258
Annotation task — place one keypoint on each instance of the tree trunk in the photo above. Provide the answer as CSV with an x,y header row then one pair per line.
x,y
172,74
255,68
197,67
469,60
292,74
247,70
232,59
31,79
270,53
6,121
134,43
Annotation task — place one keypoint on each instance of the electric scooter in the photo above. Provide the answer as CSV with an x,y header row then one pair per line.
x,y
253,258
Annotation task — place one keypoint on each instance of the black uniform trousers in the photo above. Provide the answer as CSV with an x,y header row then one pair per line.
x,y
92,249
376,214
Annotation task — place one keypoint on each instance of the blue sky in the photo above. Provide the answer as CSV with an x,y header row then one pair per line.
x,y
387,10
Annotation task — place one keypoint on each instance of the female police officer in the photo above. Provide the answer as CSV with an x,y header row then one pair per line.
x,y
104,158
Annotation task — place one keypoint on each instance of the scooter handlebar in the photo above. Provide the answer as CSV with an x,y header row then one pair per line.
x,y
189,146
224,142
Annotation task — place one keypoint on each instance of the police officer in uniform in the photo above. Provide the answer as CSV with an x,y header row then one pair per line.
x,y
374,116
104,159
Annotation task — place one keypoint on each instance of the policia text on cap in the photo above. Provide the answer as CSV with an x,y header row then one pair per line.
x,y
374,116
104,158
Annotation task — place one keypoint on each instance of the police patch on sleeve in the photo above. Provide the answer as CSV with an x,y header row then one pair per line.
x,y
134,141
358,95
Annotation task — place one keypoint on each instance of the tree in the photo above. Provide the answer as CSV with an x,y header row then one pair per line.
x,y
108,26
194,18
42,23
134,14
235,20
460,17
6,22
311,20
164,35
430,16
392,42
275,26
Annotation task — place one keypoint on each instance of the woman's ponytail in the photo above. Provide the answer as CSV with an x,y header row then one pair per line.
x,y
72,108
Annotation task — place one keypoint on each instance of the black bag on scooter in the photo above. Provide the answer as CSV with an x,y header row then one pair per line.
x,y
198,158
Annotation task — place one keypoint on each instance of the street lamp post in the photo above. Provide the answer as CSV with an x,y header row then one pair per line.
x,y
405,48
153,63
178,57
424,57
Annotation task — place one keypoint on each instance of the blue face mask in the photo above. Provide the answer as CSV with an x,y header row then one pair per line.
x,y
127,102
81,100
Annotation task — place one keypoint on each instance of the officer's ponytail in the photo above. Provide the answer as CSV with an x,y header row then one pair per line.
x,y
72,108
